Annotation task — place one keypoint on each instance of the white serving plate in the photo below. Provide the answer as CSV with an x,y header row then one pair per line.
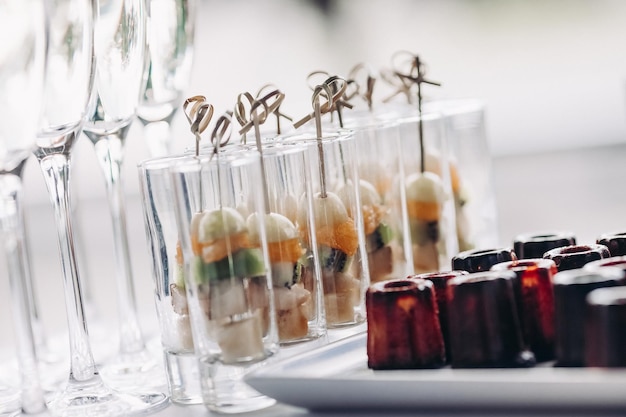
x,y
336,377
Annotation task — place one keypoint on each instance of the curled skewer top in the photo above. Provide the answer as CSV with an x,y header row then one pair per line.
x,y
199,114
407,71
269,103
222,131
364,89
332,91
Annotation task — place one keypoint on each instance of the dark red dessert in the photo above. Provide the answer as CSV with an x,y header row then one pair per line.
x,y
576,256
535,245
615,243
605,337
570,292
478,260
440,280
403,330
535,303
483,322
613,261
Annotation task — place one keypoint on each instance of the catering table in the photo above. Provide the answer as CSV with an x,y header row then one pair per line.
x,y
579,190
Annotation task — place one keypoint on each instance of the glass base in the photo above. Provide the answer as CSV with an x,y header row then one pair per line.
x,y
183,378
10,404
92,398
224,391
136,371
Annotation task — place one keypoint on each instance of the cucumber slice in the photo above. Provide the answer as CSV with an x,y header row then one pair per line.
x,y
244,263
379,238
334,259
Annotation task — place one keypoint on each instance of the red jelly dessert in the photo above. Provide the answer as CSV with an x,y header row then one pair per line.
x,y
535,245
615,243
576,256
613,261
605,337
440,280
478,260
570,292
535,303
403,329
483,322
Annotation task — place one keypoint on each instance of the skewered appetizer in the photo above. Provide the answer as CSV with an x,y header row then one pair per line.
x,y
293,303
378,234
460,196
337,244
425,196
236,304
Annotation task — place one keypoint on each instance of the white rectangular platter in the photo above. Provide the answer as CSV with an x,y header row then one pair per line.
x,y
336,377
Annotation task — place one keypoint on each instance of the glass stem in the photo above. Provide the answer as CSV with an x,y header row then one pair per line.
x,y
157,137
56,171
110,151
14,239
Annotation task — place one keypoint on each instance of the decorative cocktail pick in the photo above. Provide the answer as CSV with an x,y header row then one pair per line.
x,y
332,89
364,89
242,111
199,114
222,131
268,107
277,111
339,89
259,111
416,75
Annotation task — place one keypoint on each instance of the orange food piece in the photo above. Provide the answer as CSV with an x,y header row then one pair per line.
x,y
285,251
196,247
372,216
428,211
219,249
454,179
179,254
342,236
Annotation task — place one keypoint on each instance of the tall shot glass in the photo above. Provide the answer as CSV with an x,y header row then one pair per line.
x,y
337,237
296,277
180,361
471,163
229,293
383,198
428,187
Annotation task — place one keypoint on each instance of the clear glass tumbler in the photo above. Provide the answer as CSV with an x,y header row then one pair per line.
x,y
169,289
220,208
429,192
338,240
471,162
383,198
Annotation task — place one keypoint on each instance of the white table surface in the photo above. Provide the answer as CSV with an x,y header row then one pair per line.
x,y
579,190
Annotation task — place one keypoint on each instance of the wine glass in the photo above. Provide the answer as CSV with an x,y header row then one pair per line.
x,y
68,86
169,55
21,78
119,49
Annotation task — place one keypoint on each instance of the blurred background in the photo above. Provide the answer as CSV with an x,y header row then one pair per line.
x,y
552,74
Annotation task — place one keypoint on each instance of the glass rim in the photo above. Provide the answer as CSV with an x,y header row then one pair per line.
x,y
194,162
309,137
159,162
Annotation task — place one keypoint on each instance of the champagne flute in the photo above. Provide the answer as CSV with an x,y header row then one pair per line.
x,y
21,79
119,50
169,56
68,86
